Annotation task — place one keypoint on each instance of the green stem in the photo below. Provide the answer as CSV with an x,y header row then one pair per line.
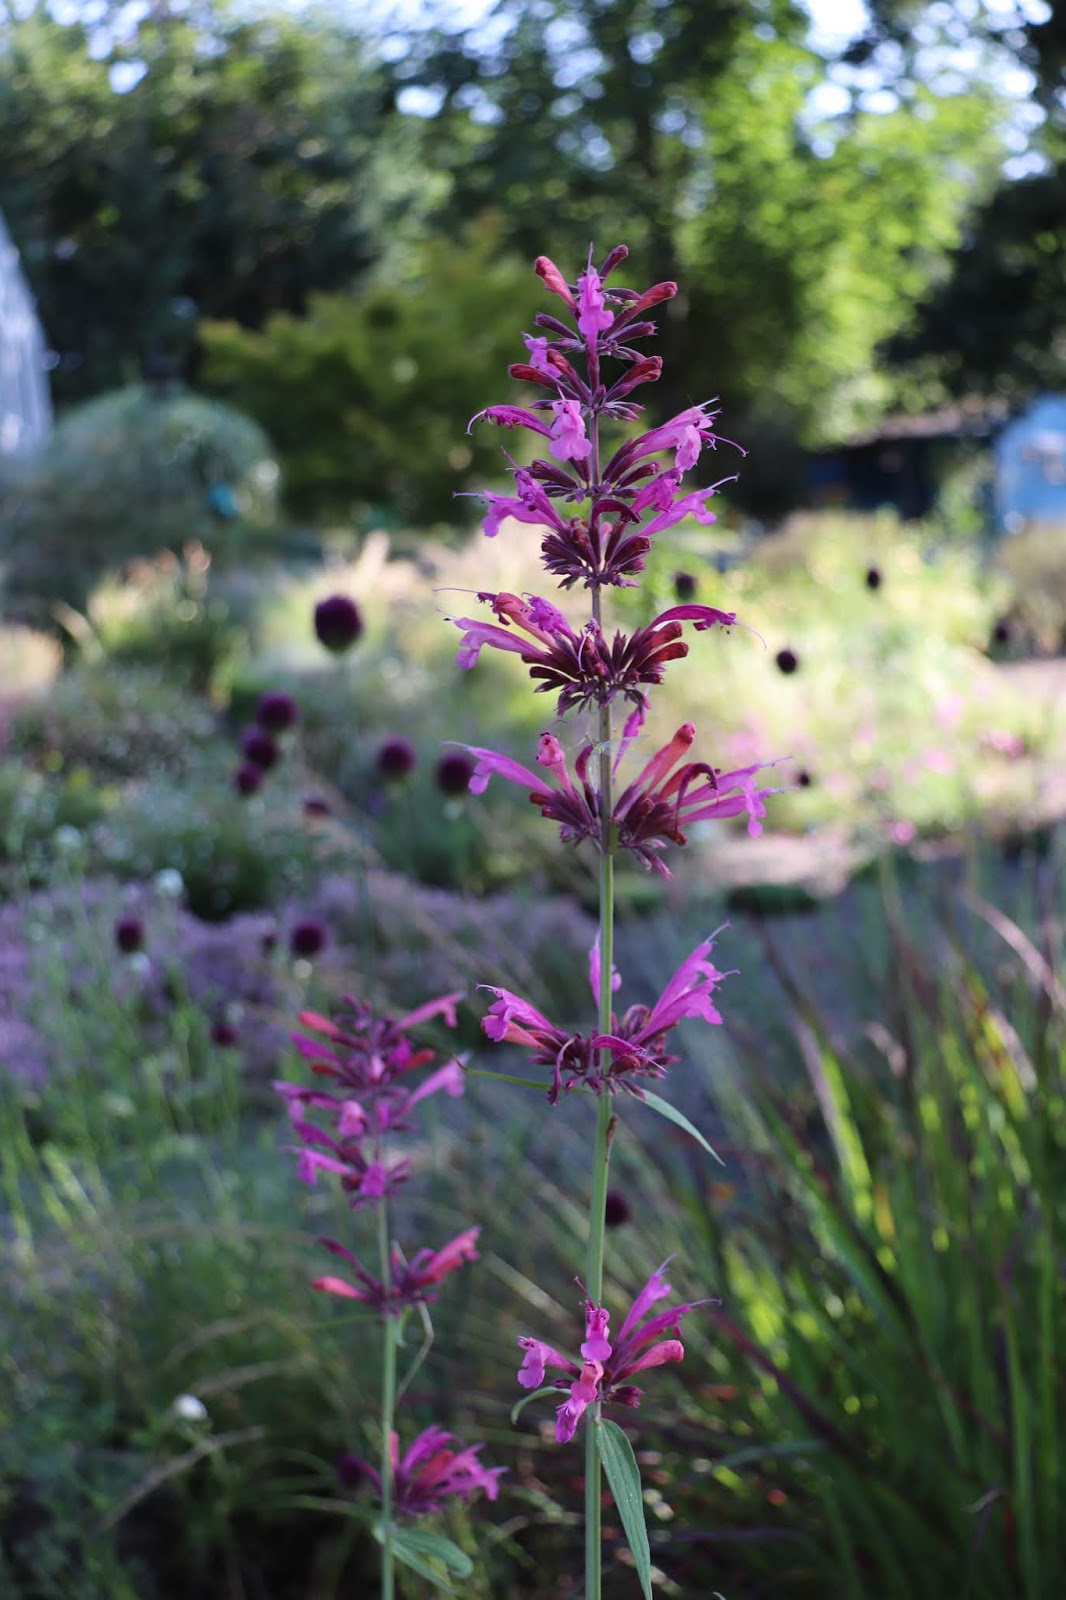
x,y
601,1157
388,1407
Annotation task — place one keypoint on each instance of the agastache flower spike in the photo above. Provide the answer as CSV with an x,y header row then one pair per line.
x,y
607,545
601,1375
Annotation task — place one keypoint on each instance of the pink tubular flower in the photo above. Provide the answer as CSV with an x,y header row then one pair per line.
x,y
409,1283
635,1046
666,796
429,1473
600,1377
669,794
593,317
569,441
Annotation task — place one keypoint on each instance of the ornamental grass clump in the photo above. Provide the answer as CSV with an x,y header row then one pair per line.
x,y
599,507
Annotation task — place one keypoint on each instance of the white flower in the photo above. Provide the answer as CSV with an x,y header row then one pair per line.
x,y
189,1408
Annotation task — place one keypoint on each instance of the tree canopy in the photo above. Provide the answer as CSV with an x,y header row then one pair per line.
x,y
856,223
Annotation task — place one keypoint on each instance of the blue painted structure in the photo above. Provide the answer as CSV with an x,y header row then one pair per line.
x,y
1030,454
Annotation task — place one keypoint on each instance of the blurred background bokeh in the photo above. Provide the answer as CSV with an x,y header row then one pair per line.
x,y
259,265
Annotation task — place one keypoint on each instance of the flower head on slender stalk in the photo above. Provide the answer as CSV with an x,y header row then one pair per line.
x,y
410,1282
433,1469
586,667
602,1373
635,1047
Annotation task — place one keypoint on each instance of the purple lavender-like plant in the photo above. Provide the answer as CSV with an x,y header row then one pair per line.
x,y
371,1077
598,512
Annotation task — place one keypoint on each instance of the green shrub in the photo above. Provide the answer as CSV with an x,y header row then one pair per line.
x,y
124,476
168,615
233,854
116,726
365,397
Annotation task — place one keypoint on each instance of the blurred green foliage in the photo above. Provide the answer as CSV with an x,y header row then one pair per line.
x,y
282,175
117,726
123,477
367,398
206,162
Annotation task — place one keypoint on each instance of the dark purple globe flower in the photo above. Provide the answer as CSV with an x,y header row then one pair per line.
x,y
338,623
616,1209
277,711
248,779
396,757
873,577
129,934
307,939
803,778
223,1033
787,661
684,585
1001,631
260,748
454,773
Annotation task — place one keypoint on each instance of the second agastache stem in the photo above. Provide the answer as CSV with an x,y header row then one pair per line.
x,y
388,1408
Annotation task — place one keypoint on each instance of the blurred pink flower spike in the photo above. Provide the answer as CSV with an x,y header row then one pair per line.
x,y
431,1472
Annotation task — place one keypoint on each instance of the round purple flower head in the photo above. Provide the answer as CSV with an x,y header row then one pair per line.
x,y
873,577
307,939
277,711
454,773
338,623
260,748
787,661
248,779
616,1208
684,585
129,934
396,757
223,1033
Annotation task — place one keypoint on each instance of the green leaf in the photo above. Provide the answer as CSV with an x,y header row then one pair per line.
x,y
672,1114
520,1405
623,1476
505,1077
410,1558
437,1548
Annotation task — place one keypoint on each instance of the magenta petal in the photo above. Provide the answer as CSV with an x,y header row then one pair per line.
x,y
491,764
703,616
655,1289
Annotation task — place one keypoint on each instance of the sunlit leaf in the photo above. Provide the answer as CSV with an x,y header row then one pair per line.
x,y
672,1114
